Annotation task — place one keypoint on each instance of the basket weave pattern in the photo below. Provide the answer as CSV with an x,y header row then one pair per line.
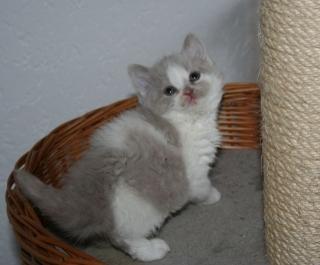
x,y
50,158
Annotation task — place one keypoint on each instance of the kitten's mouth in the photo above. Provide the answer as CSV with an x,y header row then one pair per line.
x,y
190,96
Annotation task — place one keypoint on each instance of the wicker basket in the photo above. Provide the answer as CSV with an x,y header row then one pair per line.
x,y
50,158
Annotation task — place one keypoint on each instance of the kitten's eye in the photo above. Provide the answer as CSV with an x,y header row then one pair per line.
x,y
194,76
170,90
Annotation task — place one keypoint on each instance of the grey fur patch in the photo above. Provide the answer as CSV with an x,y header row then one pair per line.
x,y
82,207
161,124
156,172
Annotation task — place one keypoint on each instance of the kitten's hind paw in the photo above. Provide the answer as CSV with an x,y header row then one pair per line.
x,y
214,196
148,250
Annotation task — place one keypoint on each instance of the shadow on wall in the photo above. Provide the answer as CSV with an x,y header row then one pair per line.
x,y
9,249
241,21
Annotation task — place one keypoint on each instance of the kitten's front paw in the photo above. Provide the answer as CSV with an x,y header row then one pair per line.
x,y
214,196
149,250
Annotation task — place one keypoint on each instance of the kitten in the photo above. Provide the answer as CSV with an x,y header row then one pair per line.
x,y
145,164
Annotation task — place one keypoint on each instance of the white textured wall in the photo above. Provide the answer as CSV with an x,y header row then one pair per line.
x,y
59,59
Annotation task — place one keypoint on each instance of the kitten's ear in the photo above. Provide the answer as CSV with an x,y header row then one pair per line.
x,y
140,78
193,47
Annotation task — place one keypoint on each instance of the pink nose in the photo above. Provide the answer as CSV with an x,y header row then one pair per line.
x,y
188,91
189,94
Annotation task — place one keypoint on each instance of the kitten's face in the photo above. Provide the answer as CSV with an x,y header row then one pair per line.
x,y
184,82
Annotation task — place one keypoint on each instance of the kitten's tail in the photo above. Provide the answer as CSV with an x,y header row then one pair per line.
x,y
48,199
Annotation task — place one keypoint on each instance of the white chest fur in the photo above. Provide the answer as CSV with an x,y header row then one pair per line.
x,y
199,139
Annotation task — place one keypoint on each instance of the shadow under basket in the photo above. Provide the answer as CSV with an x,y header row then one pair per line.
x,y
50,158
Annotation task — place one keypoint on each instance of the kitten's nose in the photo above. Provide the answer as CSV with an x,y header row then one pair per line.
x,y
188,91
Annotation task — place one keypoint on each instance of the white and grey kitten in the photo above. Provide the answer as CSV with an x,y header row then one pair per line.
x,y
145,164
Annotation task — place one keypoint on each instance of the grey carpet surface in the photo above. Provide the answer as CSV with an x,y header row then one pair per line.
x,y
227,233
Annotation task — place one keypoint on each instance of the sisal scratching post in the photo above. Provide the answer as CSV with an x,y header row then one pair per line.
x,y
290,78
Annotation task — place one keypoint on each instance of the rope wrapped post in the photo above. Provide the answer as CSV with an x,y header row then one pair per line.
x,y
290,79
